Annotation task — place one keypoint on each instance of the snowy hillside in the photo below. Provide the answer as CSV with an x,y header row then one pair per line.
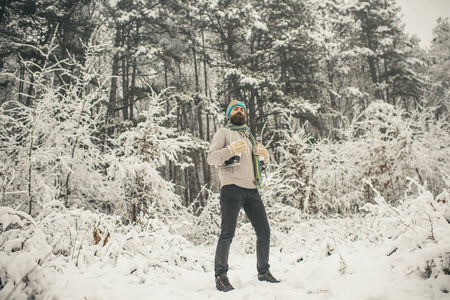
x,y
384,253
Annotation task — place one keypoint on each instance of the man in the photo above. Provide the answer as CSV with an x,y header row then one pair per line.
x,y
235,150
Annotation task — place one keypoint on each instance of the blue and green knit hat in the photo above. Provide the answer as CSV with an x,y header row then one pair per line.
x,y
233,104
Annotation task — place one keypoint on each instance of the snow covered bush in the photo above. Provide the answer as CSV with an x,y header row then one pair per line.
x,y
134,161
204,221
95,238
416,232
36,253
312,176
48,147
382,148
287,180
395,145
406,242
25,257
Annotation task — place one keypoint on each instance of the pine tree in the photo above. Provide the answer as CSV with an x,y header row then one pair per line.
x,y
386,50
439,66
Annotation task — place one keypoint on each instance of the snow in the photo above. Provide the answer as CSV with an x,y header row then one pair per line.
x,y
249,81
383,253
386,42
261,26
354,92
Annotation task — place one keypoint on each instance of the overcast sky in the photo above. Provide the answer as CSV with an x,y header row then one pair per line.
x,y
420,16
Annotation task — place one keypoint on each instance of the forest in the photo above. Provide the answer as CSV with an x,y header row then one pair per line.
x,y
109,106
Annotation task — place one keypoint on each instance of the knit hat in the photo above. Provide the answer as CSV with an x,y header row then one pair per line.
x,y
233,104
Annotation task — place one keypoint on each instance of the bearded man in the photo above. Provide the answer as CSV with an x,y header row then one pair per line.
x,y
236,152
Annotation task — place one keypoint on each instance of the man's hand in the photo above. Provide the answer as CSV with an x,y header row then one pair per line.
x,y
259,149
237,147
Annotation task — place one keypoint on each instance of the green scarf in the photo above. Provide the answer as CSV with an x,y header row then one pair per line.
x,y
256,163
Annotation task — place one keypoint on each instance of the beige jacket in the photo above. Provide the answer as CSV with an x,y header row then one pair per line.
x,y
242,175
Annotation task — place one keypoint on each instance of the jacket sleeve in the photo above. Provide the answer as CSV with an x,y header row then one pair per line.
x,y
218,151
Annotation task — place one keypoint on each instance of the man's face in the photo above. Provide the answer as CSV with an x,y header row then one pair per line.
x,y
237,115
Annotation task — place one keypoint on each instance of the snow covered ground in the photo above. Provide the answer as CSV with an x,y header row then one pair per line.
x,y
387,253
369,275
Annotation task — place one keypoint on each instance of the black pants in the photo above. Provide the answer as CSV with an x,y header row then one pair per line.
x,y
232,199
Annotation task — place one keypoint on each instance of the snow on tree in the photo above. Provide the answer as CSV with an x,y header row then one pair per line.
x,y
439,65
135,159
49,150
382,149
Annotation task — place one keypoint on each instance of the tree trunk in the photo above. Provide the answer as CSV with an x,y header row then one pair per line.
x,y
133,88
125,87
194,53
205,74
21,81
371,59
115,72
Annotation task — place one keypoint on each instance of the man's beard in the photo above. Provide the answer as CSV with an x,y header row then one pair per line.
x,y
238,119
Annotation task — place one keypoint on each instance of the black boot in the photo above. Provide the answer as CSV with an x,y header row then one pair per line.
x,y
222,283
267,277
